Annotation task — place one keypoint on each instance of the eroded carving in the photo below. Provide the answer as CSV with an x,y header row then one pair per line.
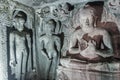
x,y
60,29
50,47
89,41
20,46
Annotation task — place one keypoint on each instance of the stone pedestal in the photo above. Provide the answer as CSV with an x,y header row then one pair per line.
x,y
77,70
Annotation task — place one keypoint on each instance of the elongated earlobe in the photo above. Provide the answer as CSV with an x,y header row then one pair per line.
x,y
95,21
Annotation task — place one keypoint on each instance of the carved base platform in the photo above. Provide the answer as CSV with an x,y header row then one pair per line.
x,y
77,70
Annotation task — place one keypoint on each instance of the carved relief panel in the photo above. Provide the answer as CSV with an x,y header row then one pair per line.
x,y
21,42
84,55
59,38
87,35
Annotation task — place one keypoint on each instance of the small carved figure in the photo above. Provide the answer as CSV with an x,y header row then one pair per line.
x,y
50,47
45,12
114,6
20,46
89,42
62,12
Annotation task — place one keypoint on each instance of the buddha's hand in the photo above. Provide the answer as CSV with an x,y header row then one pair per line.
x,y
12,63
83,44
90,51
91,45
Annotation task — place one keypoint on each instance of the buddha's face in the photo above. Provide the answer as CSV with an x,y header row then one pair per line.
x,y
87,22
19,23
87,19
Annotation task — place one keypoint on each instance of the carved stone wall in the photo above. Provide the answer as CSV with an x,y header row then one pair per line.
x,y
4,22
50,24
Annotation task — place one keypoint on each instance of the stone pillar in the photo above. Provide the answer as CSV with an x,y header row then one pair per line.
x,y
3,39
3,54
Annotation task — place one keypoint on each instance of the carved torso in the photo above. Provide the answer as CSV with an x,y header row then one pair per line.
x,y
96,38
20,39
48,42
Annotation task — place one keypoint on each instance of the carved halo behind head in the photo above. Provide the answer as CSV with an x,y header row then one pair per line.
x,y
84,12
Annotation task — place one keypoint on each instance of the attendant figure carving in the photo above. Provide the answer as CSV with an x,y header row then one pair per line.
x,y
50,47
20,46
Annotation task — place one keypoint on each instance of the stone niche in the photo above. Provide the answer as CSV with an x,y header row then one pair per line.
x,y
60,39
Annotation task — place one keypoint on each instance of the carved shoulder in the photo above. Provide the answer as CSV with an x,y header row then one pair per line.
x,y
42,38
28,35
105,32
78,34
56,38
101,31
12,34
